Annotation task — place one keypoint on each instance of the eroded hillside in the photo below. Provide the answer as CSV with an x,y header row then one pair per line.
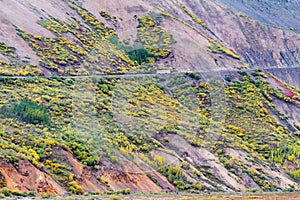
x,y
87,37
162,133
282,13
66,127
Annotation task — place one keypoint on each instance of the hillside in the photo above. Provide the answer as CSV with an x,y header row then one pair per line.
x,y
281,13
146,96
150,134
70,37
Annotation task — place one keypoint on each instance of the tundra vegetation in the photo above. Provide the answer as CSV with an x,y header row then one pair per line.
x,y
85,45
106,120
48,109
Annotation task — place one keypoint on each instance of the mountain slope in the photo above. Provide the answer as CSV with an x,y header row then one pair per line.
x,y
89,104
196,36
153,133
259,45
282,13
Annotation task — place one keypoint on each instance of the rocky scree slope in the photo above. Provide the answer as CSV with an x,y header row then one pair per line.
x,y
281,13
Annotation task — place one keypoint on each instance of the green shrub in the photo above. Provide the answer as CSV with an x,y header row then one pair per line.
x,y
16,193
193,75
45,196
295,174
243,15
27,111
5,191
228,78
115,198
140,55
2,180
31,193
126,191
74,188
